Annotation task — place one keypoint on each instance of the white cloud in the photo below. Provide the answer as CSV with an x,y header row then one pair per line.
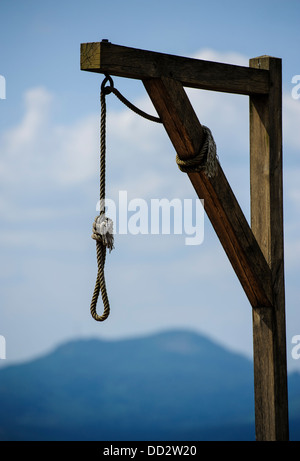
x,y
23,146
139,151
42,158
76,154
39,153
24,136
231,57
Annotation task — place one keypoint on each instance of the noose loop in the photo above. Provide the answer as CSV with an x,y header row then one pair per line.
x,y
102,226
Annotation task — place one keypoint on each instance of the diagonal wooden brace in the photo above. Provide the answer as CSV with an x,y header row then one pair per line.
x,y
221,206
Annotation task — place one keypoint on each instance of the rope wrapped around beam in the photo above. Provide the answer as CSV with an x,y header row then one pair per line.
x,y
206,159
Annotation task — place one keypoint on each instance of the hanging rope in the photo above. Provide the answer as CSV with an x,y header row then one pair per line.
x,y
134,108
103,227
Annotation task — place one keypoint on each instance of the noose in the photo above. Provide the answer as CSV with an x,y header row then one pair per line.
x,y
102,226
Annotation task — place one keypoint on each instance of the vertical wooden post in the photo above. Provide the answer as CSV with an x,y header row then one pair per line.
x,y
259,261
269,334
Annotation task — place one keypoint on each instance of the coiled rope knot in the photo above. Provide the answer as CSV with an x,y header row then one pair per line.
x,y
206,159
103,234
103,229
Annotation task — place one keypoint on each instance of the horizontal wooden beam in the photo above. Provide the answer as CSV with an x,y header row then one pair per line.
x,y
221,206
105,57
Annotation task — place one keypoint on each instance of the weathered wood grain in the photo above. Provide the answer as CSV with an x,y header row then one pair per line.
x,y
228,220
256,253
105,57
269,330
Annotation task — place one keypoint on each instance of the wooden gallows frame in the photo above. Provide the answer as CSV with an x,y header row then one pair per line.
x,y
256,253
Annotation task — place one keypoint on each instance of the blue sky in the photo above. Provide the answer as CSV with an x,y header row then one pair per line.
x,y
49,143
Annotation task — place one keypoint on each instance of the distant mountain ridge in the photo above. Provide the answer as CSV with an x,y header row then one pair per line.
x,y
174,385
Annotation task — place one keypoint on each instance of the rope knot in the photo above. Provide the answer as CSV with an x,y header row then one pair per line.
x,y
206,159
103,229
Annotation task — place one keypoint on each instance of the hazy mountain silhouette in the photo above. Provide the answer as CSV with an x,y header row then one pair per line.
x,y
175,385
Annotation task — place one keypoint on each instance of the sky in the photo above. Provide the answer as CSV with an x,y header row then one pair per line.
x,y
49,170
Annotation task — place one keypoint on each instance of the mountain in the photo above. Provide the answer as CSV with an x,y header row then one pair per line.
x,y
174,385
